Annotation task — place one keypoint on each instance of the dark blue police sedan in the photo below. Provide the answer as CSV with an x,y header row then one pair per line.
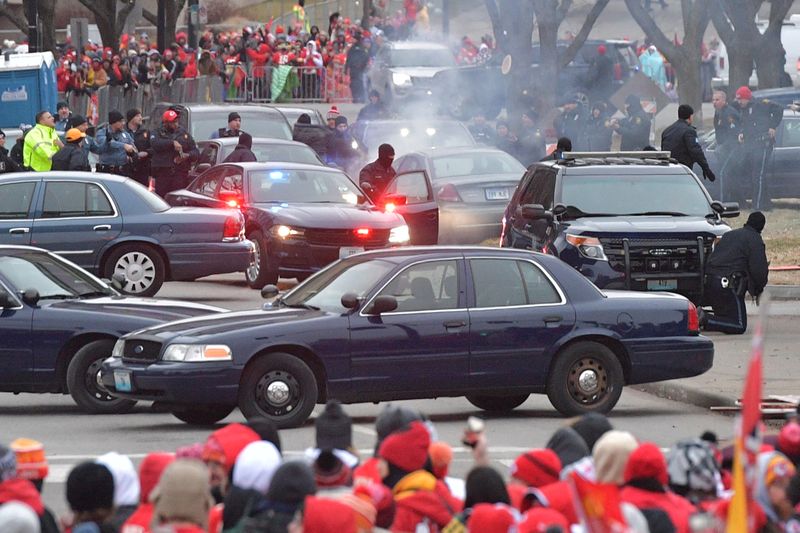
x,y
490,324
112,225
58,323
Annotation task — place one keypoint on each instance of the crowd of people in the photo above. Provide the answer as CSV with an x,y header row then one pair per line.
x,y
239,480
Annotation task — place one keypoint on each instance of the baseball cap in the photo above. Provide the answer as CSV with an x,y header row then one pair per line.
x,y
169,116
74,134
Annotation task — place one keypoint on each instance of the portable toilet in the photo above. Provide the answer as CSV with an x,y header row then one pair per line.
x,y
27,85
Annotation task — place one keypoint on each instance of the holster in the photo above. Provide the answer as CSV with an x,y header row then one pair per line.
x,y
739,283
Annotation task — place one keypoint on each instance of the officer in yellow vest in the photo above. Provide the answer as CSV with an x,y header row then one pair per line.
x,y
41,143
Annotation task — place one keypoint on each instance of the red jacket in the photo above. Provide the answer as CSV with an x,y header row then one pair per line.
x,y
419,496
21,490
559,497
678,508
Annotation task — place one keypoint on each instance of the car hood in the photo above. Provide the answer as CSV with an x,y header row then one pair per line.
x,y
646,224
162,310
331,216
212,325
418,72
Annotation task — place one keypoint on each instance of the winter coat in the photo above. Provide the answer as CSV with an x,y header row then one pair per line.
x,y
678,508
6,163
164,152
240,154
421,498
22,490
317,137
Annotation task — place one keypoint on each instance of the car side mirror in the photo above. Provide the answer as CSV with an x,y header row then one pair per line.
x,y
6,300
383,304
118,281
559,209
533,212
269,291
30,296
350,300
726,209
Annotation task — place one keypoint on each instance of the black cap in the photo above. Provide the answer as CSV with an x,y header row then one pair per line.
x,y
292,482
385,150
756,220
375,93
75,121
334,428
341,120
304,119
245,139
685,111
132,113
234,116
115,116
90,487
564,144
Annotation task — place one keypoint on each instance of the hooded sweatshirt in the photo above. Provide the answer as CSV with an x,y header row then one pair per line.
x,y
767,465
420,497
252,475
126,486
149,473
568,445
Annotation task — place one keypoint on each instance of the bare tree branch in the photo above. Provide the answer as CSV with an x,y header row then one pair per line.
x,y
777,12
562,10
150,17
15,17
650,28
497,25
722,21
583,34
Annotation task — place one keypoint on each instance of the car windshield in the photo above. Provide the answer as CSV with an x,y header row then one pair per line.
x,y
153,201
635,194
269,125
413,136
475,164
53,278
284,153
302,186
431,57
293,114
324,291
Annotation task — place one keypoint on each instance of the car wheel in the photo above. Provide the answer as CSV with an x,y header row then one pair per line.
x,y
585,377
497,403
142,267
260,272
83,384
278,386
203,415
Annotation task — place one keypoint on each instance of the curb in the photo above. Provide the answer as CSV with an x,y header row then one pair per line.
x,y
784,292
684,394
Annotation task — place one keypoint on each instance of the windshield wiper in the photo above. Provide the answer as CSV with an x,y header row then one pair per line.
x,y
299,306
576,212
57,297
654,213
93,294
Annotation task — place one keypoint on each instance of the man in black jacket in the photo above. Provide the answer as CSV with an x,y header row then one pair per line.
x,y
74,155
375,176
243,152
316,137
680,140
635,127
726,133
173,152
140,166
737,265
6,163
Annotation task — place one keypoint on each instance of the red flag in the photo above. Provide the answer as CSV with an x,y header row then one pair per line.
x,y
598,505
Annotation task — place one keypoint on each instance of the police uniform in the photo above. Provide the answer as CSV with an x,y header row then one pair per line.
x,y
140,168
225,132
635,131
170,175
110,146
757,118
572,124
680,140
726,133
737,265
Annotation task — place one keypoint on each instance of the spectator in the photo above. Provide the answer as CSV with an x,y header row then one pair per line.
x,y
126,486
62,109
356,66
342,151
150,470
16,517
374,110
182,498
74,155
90,494
7,164
316,137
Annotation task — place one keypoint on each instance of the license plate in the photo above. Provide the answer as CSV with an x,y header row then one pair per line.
x,y
347,251
122,381
662,284
496,194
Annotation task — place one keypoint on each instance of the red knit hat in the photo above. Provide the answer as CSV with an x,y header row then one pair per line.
x,y
537,468
441,456
492,518
332,113
325,515
153,465
539,519
224,445
744,93
407,450
647,461
788,440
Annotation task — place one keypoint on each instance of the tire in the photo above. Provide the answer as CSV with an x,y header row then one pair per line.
x,y
82,380
497,403
141,265
600,371
292,379
260,272
203,415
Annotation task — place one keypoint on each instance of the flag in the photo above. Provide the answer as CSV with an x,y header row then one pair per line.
x,y
598,505
747,441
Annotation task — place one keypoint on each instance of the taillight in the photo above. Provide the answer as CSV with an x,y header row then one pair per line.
x,y
694,319
363,233
798,64
448,193
232,231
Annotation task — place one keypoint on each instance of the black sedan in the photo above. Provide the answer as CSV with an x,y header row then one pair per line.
x,y
301,218
58,323
490,324
215,151
472,187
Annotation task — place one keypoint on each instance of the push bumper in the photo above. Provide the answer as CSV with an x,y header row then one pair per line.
x,y
191,261
657,359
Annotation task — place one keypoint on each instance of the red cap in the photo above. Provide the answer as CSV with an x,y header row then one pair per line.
x,y
647,461
492,518
537,468
539,519
224,445
407,450
169,116
601,49
744,93
789,439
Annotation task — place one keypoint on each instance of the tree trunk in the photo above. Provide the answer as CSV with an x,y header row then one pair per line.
x,y
547,82
690,89
740,64
770,62
174,8
518,18
366,13
47,32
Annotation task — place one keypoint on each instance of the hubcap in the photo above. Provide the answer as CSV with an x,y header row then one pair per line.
x,y
588,381
139,271
255,265
278,393
93,384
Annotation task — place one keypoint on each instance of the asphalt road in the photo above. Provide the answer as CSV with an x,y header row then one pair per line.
x,y
71,437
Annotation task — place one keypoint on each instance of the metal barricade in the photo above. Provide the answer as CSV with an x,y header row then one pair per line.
x,y
311,87
337,87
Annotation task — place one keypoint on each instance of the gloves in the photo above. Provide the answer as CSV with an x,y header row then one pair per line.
x,y
708,174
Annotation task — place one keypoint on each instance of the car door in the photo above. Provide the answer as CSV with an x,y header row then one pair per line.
x,y
16,206
76,220
783,182
538,189
201,192
209,151
517,312
423,344
16,354
420,210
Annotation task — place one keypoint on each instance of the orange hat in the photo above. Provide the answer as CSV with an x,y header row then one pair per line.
x,y
169,116
74,134
31,461
441,455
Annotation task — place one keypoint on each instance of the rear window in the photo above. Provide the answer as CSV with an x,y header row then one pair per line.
x,y
153,201
476,164
284,153
271,126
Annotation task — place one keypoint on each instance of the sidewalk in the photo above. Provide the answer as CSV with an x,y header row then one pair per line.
x,y
722,385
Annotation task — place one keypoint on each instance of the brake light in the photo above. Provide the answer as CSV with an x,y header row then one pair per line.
x,y
694,319
363,233
798,64
233,229
448,193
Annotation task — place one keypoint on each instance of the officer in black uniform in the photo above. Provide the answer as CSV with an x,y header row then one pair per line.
x,y
173,152
635,127
140,167
680,140
572,123
737,265
376,176
759,122
726,134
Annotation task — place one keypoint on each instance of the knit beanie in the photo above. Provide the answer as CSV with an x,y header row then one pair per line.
x,y
150,470
393,418
131,114
31,460
333,112
340,120
611,454
266,430
441,455
591,427
541,519
292,482
115,116
757,221
326,515
492,518
646,462
407,449
225,444
8,464
90,486
183,493
16,517
537,468
256,465
334,428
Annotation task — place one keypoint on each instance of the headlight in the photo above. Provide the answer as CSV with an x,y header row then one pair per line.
x,y
286,232
190,353
399,235
589,247
119,346
400,79
354,145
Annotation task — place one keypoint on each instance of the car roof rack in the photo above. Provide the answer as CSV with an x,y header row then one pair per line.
x,y
616,158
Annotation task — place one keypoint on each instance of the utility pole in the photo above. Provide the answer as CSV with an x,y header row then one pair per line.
x,y
161,24
193,11
446,17
32,14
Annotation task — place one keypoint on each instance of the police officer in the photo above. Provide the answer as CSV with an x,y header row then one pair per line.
x,y
759,121
140,167
234,128
531,140
680,140
173,152
376,176
737,265
635,127
726,133
115,146
572,123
